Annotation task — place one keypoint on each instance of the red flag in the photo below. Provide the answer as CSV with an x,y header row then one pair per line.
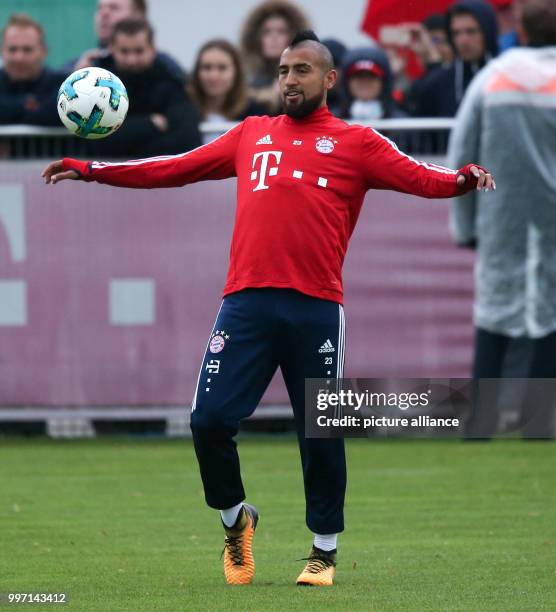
x,y
392,12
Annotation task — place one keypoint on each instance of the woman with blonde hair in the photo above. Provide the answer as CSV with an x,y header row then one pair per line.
x,y
267,31
217,85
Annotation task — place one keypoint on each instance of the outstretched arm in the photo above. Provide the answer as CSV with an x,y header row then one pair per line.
x,y
386,167
212,161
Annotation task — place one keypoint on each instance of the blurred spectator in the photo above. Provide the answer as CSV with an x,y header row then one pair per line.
x,y
505,15
508,120
435,47
508,13
27,87
161,119
267,31
337,50
335,99
367,85
473,32
398,58
427,42
107,15
218,85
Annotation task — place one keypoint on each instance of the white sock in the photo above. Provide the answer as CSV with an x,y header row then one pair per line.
x,y
326,542
229,515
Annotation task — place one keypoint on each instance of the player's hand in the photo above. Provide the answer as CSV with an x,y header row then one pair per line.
x,y
54,173
482,178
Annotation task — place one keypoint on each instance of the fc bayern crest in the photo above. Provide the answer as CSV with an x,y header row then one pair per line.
x,y
325,144
217,344
218,341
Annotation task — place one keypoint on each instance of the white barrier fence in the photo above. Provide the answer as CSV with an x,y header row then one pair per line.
x,y
416,135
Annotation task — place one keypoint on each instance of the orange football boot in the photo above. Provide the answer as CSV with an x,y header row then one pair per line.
x,y
239,565
320,569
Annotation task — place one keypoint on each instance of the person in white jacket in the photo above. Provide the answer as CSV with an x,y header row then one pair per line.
x,y
508,117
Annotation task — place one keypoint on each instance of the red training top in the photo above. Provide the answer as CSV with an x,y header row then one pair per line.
x,y
301,184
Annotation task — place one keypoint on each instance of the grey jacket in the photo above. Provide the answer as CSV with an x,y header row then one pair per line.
x,y
507,123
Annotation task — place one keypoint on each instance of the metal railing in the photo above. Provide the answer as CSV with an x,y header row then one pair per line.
x,y
421,136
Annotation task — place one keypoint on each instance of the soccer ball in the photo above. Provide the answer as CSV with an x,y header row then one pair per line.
x,y
92,103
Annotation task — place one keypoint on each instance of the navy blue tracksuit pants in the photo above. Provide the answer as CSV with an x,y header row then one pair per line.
x,y
256,331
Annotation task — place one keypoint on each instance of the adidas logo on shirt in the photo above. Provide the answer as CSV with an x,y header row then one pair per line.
x,y
327,347
265,140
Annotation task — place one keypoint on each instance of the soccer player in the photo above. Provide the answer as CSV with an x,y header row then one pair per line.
x,y
302,177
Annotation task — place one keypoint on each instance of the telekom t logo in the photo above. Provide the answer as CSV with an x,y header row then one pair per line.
x,y
264,169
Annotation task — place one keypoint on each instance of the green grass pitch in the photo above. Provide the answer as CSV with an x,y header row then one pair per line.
x,y
430,525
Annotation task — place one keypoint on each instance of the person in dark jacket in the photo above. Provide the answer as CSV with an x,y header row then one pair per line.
x,y
107,15
473,33
367,85
27,87
161,119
